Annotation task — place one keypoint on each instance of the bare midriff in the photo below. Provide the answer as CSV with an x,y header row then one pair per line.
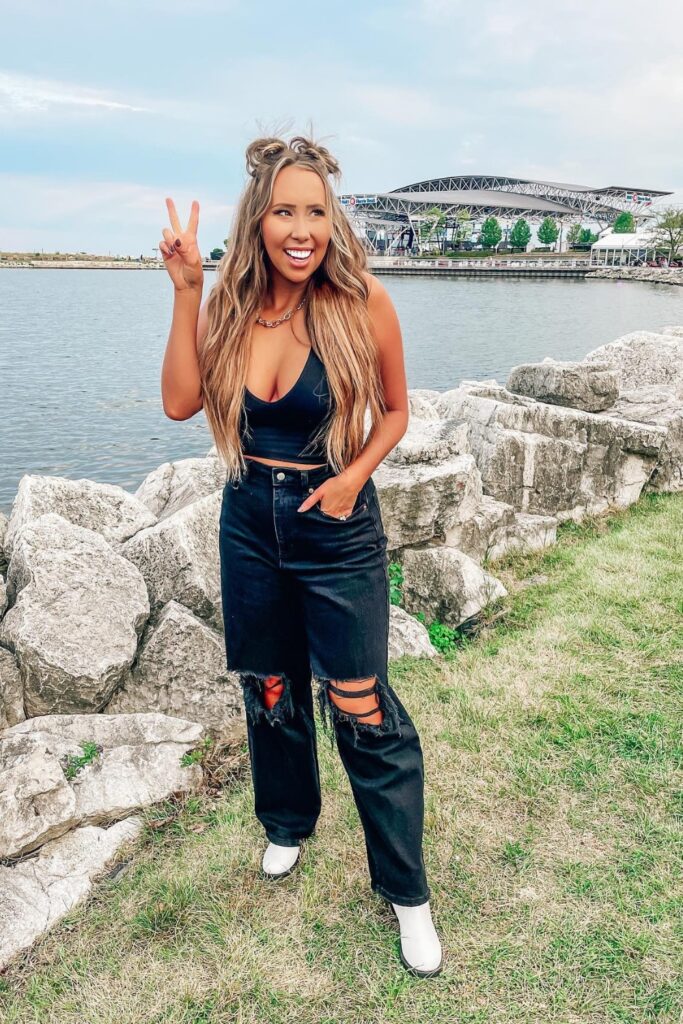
x,y
292,465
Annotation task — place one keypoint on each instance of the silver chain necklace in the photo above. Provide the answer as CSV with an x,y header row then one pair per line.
x,y
287,315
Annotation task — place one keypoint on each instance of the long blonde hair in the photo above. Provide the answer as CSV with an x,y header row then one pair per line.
x,y
335,310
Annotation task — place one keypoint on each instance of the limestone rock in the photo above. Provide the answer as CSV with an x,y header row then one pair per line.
x,y
422,502
495,529
77,611
173,485
181,670
592,386
422,403
38,892
407,635
138,764
642,358
4,523
662,406
446,585
430,441
103,508
11,691
550,460
180,560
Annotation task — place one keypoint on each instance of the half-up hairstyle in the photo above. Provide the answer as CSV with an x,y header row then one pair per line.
x,y
335,310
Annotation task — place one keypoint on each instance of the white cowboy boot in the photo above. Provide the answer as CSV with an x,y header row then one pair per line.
x,y
279,860
420,946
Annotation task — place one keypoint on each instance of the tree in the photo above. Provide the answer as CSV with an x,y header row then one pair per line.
x,y
491,233
548,232
434,221
624,224
574,234
520,235
668,230
463,219
216,254
587,237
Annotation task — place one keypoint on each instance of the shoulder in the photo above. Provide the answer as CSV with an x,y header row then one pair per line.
x,y
375,287
380,306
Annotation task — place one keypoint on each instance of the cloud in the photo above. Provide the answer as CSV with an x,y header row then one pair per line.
x,y
38,210
24,94
644,104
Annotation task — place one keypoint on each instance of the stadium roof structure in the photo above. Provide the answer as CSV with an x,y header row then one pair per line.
x,y
506,197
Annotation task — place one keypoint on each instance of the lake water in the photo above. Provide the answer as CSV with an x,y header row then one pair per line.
x,y
81,354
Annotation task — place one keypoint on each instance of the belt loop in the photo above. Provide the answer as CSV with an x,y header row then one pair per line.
x,y
304,478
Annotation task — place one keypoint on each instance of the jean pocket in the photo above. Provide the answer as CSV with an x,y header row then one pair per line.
x,y
360,507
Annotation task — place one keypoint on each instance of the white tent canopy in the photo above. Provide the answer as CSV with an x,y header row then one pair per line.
x,y
616,249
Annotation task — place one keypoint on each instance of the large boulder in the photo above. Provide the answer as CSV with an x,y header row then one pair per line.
x,y
550,460
591,387
446,585
421,502
407,635
11,691
104,508
38,892
77,611
179,559
642,358
181,670
495,529
662,406
173,485
138,763
429,440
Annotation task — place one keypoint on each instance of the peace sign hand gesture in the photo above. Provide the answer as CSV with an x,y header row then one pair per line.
x,y
180,252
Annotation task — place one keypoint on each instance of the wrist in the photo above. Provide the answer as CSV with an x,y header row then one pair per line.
x,y
190,290
354,476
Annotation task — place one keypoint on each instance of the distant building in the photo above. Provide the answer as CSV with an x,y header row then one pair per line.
x,y
392,222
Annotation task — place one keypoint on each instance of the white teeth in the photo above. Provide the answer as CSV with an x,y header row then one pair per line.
x,y
299,255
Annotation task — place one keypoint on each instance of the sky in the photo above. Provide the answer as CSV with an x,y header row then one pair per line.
x,y
106,109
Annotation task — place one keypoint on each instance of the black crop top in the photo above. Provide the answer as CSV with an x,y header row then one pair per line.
x,y
283,428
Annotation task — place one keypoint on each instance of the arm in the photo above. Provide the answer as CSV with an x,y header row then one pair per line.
x,y
181,386
180,381
393,425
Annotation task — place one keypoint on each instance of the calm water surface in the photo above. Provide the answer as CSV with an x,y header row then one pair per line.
x,y
81,354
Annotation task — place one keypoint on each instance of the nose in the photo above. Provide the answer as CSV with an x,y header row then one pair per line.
x,y
300,230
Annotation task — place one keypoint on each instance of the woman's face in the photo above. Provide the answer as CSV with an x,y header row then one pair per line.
x,y
296,220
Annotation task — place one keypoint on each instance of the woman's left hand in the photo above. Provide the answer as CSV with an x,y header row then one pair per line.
x,y
337,494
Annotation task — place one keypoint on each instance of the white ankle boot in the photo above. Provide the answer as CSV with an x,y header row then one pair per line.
x,y
420,946
279,860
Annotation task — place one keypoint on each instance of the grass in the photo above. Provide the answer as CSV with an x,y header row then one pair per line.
x,y
553,838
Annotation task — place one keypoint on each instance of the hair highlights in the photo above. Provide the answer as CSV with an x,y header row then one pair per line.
x,y
336,314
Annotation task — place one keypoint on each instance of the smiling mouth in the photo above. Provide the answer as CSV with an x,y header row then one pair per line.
x,y
299,255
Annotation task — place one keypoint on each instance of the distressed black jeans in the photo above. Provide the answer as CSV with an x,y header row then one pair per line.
x,y
305,597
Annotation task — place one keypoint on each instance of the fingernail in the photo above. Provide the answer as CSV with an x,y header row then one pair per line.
x,y
177,242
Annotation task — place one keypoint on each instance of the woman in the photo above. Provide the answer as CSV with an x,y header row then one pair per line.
x,y
294,342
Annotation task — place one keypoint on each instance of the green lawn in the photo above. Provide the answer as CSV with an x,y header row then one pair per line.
x,y
554,836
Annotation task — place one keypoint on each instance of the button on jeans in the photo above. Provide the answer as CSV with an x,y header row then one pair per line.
x,y
305,597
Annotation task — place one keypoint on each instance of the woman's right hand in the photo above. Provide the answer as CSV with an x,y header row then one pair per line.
x,y
180,252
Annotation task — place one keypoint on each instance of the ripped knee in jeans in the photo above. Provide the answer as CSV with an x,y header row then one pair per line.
x,y
267,696
363,702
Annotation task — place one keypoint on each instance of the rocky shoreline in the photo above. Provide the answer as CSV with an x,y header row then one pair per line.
x,y
655,275
112,656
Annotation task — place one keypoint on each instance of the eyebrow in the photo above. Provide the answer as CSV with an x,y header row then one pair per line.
x,y
292,206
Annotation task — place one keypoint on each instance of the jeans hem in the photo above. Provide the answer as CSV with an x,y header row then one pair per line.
x,y
282,839
400,901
